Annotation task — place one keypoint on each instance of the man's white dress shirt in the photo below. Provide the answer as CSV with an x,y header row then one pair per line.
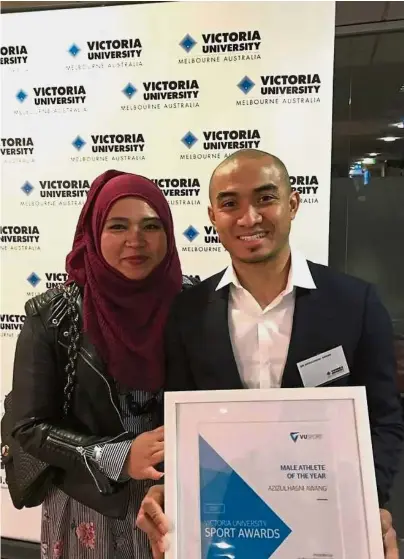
x,y
260,337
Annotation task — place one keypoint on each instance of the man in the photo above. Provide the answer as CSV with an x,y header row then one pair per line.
x,y
270,310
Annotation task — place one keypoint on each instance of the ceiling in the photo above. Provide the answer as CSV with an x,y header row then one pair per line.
x,y
347,13
350,13
368,75
8,6
368,96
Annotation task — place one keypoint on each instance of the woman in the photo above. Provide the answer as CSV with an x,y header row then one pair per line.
x,y
123,273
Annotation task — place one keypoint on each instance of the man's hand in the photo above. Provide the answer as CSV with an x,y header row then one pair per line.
x,y
389,536
152,520
147,451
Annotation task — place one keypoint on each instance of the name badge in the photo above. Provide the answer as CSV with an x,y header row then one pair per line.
x,y
323,368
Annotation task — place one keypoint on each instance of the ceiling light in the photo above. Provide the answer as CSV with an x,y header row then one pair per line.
x,y
373,154
369,161
389,138
397,124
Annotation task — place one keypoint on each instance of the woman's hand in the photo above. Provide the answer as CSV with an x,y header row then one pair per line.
x,y
147,451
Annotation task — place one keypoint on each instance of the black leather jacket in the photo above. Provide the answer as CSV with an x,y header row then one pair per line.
x,y
94,416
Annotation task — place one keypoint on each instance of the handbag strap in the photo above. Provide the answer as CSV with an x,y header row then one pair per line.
x,y
70,294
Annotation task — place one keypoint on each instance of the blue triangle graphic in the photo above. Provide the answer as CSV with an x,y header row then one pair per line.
x,y
247,528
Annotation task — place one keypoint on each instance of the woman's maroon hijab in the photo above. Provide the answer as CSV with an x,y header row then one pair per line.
x,y
124,318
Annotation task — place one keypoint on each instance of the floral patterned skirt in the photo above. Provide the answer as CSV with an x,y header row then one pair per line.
x,y
71,530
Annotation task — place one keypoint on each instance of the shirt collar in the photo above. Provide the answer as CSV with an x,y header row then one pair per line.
x,y
299,275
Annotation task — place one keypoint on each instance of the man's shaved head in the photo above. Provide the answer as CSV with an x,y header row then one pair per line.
x,y
252,205
261,157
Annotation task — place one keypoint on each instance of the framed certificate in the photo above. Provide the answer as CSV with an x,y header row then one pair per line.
x,y
283,473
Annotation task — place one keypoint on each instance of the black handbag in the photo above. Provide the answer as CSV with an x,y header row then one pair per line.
x,y
29,479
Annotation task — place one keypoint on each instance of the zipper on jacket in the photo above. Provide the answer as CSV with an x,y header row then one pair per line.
x,y
59,441
103,378
109,388
81,451
78,449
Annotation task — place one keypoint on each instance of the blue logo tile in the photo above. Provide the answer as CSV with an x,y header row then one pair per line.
x,y
33,279
191,233
74,50
188,43
27,188
129,90
246,85
78,143
21,96
189,140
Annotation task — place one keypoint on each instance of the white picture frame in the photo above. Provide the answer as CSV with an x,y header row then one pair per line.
x,y
199,406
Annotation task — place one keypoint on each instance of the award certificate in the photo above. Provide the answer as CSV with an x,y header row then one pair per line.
x,y
282,473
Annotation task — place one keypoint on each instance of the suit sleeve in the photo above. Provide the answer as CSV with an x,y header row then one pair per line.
x,y
375,367
178,369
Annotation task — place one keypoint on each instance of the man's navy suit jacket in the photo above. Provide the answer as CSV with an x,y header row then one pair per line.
x,y
341,311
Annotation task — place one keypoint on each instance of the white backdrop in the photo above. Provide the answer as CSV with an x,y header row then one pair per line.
x,y
164,90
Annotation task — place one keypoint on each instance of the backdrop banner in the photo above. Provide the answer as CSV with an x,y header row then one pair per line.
x,y
164,90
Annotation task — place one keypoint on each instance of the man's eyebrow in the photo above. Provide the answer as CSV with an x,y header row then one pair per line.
x,y
270,186
233,194
226,194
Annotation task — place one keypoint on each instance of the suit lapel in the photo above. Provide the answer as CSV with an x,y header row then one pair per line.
x,y
291,376
309,328
224,366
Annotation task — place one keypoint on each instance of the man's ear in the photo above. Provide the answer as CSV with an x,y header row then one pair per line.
x,y
294,203
211,214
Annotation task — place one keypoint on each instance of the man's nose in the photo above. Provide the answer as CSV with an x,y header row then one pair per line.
x,y
250,218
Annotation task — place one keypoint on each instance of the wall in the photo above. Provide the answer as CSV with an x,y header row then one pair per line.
x,y
50,147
